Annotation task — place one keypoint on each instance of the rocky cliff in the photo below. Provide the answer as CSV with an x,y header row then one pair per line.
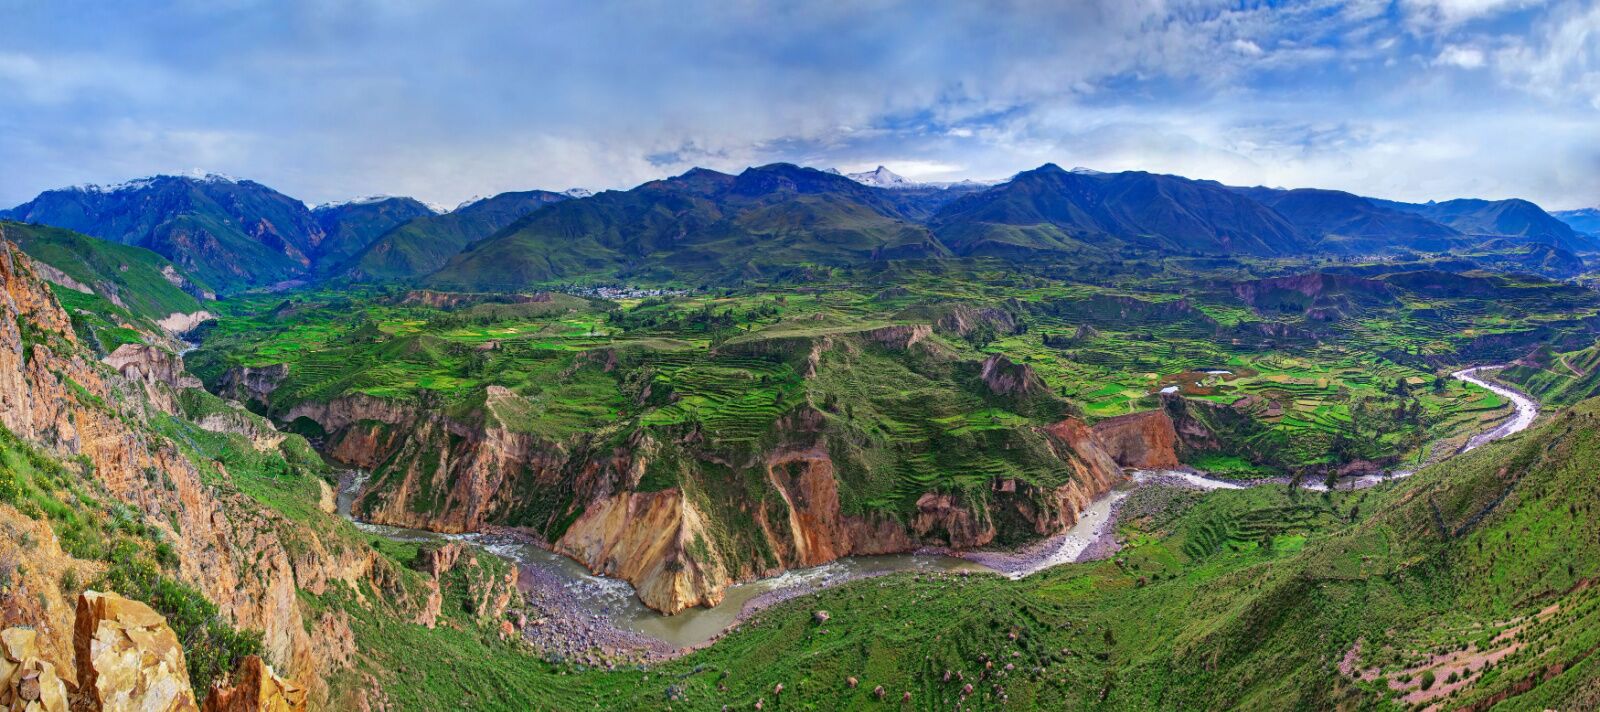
x,y
673,543
247,559
1146,440
127,659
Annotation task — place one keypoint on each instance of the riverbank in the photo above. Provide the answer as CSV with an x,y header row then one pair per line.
x,y
1094,536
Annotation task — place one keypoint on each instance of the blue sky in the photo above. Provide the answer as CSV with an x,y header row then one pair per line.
x,y
1407,99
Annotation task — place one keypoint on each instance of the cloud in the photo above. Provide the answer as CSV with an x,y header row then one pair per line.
x,y
1437,15
327,100
1458,56
1246,48
1559,59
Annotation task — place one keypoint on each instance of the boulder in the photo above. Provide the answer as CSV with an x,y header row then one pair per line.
x,y
128,659
27,682
255,688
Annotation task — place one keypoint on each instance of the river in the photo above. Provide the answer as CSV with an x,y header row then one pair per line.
x,y
612,601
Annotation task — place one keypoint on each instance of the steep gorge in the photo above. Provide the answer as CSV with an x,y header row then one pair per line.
x,y
103,421
680,516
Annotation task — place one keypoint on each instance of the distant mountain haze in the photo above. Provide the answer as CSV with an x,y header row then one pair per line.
x,y
1585,220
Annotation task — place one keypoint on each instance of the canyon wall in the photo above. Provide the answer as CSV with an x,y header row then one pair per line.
x,y
587,499
242,556
1147,440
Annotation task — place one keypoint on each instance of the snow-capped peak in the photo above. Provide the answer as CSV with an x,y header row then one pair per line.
x,y
469,202
1080,170
148,181
354,201
577,192
882,178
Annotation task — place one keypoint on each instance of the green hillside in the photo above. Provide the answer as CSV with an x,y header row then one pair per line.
x,y
233,234
422,245
126,284
701,226
350,227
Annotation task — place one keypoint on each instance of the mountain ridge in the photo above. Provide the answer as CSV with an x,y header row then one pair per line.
x,y
238,234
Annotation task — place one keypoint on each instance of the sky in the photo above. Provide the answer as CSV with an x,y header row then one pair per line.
x,y
324,100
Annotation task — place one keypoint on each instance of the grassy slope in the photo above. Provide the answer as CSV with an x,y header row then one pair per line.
x,y
1227,600
420,246
1200,613
701,227
1237,599
1332,383
1559,378
133,274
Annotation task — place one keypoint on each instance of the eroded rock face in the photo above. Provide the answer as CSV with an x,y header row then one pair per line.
x,y
158,370
28,683
1146,440
1008,378
900,337
489,594
142,362
55,276
179,323
245,384
962,320
254,688
128,659
646,539
53,394
663,541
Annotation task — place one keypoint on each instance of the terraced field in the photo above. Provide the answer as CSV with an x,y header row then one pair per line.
x,y
1363,376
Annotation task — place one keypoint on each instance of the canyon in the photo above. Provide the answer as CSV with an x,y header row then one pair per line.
x,y
448,475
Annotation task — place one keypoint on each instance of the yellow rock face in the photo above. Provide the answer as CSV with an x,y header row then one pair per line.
x,y
256,689
27,683
128,659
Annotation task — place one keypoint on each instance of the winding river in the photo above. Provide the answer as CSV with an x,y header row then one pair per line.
x,y
613,601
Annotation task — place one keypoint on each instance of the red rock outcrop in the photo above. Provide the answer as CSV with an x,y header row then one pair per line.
x,y
1145,440
255,688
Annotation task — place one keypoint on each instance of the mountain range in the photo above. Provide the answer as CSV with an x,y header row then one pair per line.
x,y
1586,220
709,226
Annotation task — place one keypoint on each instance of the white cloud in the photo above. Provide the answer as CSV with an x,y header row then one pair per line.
x,y
444,101
1246,47
1559,59
1458,56
1437,15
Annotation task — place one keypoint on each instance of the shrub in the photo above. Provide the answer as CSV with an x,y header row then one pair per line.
x,y
1427,679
